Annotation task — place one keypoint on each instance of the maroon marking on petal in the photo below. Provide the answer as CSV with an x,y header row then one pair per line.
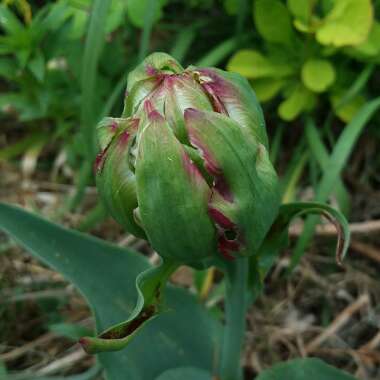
x,y
192,113
148,106
220,87
135,123
124,137
210,163
150,70
221,186
231,245
225,253
99,160
114,126
220,219
170,80
155,116
191,168
126,93
217,104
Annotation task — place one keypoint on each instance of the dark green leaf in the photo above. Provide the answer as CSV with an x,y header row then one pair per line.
x,y
185,373
185,335
304,369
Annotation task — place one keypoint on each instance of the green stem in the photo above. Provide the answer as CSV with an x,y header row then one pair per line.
x,y
235,304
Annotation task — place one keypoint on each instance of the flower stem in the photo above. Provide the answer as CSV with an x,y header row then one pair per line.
x,y
235,304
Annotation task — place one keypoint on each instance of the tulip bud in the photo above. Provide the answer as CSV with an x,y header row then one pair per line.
x,y
187,165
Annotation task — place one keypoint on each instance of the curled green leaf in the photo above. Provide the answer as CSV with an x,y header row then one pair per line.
x,y
150,286
277,238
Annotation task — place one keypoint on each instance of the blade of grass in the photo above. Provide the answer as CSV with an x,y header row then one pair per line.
x,y
294,169
337,160
151,9
93,46
120,86
93,217
289,193
183,41
22,145
321,155
88,375
220,52
241,16
276,143
353,91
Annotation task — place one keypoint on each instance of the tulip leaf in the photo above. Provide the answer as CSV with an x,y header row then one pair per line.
x,y
150,285
253,64
318,74
348,23
105,275
304,369
272,20
185,373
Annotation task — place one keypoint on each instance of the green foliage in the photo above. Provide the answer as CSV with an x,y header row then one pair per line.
x,y
137,11
348,23
106,276
186,373
308,42
304,369
318,74
272,20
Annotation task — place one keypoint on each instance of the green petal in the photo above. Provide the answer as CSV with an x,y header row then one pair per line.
x,y
151,66
238,99
108,128
114,176
172,196
246,186
146,77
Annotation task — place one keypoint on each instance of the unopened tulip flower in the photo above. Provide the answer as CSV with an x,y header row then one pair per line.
x,y
187,166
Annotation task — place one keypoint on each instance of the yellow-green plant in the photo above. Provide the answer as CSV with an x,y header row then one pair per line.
x,y
304,50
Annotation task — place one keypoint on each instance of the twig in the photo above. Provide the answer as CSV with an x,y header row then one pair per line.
x,y
366,249
63,362
371,344
337,323
19,351
38,295
368,227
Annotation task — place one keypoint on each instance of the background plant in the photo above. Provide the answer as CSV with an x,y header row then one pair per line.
x,y
317,154
311,54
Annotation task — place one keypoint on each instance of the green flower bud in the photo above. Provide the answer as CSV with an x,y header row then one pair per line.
x,y
187,165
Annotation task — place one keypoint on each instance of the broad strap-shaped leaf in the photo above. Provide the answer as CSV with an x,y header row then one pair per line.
x,y
304,369
106,275
185,373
